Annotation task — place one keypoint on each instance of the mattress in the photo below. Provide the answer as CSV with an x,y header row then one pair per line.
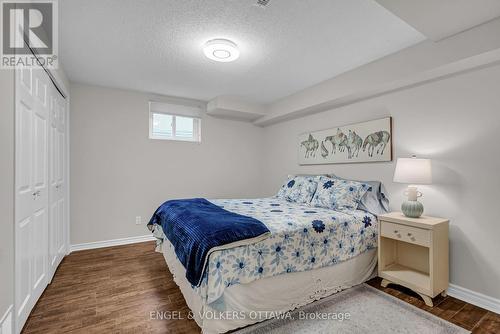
x,y
303,238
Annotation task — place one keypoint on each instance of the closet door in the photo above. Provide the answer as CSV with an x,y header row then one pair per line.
x,y
31,189
57,184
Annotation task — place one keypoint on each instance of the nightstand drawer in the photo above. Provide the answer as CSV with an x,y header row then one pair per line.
x,y
405,233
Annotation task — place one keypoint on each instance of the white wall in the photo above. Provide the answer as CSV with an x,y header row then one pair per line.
x,y
117,173
6,190
455,122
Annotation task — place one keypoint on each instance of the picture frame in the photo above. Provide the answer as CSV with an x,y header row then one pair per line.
x,y
369,141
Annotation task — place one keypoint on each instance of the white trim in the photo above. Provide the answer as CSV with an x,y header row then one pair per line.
x,y
68,176
113,242
475,298
196,138
6,323
469,296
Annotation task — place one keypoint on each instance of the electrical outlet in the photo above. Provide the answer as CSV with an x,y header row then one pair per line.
x,y
138,220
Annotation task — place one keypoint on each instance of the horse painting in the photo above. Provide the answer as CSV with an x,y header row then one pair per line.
x,y
369,141
311,145
353,144
337,141
376,140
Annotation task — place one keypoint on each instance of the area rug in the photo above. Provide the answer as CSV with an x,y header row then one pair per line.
x,y
362,309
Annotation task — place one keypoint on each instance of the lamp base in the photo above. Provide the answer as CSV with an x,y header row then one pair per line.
x,y
412,209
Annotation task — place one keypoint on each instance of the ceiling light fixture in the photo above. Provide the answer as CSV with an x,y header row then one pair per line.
x,y
222,50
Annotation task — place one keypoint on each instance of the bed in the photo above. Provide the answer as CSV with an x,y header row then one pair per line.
x,y
310,253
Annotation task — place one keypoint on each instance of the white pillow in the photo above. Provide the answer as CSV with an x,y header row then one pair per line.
x,y
337,194
298,189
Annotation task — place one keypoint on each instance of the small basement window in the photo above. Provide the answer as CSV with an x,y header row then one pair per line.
x,y
174,122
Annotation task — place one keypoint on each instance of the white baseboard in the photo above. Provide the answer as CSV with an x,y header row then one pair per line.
x,y
114,242
475,298
469,296
6,323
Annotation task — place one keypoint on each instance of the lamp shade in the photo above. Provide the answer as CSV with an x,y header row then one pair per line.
x,y
413,171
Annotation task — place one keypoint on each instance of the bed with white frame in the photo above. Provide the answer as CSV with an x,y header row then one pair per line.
x,y
312,252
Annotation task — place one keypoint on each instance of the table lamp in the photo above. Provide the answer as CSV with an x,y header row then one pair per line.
x,y
413,171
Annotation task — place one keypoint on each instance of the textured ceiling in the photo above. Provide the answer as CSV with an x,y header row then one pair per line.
x,y
155,45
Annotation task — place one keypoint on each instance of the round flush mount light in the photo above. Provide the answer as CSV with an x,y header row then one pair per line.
x,y
222,50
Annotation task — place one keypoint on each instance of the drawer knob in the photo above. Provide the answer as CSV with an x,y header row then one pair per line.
x,y
409,234
396,231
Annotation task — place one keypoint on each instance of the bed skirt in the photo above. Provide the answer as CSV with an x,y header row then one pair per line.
x,y
265,298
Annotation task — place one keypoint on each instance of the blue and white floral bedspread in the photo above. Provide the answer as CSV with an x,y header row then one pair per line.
x,y
302,238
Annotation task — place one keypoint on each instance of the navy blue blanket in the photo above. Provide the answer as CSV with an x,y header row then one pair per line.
x,y
195,226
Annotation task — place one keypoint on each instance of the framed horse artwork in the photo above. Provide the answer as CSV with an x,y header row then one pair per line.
x,y
369,141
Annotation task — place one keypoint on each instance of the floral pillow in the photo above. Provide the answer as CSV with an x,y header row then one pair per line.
x,y
337,194
298,189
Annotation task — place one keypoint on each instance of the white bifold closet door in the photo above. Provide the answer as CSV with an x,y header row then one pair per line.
x,y
40,213
57,178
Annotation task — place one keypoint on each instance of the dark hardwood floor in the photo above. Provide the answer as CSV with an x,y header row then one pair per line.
x,y
110,290
115,289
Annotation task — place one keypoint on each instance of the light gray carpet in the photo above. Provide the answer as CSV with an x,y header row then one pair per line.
x,y
370,310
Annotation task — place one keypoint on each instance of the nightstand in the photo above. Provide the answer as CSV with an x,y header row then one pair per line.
x,y
413,252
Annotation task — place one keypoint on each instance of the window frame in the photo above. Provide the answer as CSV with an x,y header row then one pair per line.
x,y
196,128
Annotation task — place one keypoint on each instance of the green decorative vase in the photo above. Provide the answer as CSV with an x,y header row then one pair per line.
x,y
412,209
